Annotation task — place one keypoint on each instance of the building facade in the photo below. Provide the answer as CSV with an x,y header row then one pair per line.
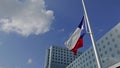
x,y
117,65
108,48
58,57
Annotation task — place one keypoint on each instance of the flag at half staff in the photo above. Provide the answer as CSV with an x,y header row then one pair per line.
x,y
76,39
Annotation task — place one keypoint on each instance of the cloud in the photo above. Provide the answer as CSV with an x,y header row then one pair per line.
x,y
1,43
17,67
2,67
61,30
25,17
29,61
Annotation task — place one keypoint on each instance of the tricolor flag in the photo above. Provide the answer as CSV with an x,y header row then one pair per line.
x,y
76,39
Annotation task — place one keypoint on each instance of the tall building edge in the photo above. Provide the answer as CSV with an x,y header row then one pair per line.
x,y
59,57
47,59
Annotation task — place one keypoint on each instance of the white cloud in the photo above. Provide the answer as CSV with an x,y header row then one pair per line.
x,y
29,61
17,67
2,67
0,43
25,17
61,30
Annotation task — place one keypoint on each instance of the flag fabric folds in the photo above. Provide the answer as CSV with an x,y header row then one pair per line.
x,y
76,39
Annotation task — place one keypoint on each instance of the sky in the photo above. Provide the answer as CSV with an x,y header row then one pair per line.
x,y
29,27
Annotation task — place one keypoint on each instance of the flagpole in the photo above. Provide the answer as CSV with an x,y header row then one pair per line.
x,y
91,35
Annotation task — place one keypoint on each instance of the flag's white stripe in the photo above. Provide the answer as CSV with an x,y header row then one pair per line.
x,y
70,44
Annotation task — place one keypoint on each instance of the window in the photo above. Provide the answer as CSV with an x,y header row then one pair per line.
x,y
110,34
93,60
101,55
98,44
110,49
113,40
85,54
95,66
84,66
102,41
105,52
91,50
119,36
104,46
92,54
86,59
116,30
116,46
106,38
103,61
87,64
113,55
100,49
89,57
90,62
108,43
88,52
118,52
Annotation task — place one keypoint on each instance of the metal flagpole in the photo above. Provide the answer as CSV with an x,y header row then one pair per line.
x,y
91,35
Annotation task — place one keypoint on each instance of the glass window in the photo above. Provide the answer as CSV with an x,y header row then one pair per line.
x,y
91,50
110,49
85,54
95,66
113,40
93,60
89,57
102,41
100,49
103,61
106,38
86,59
113,55
88,52
119,36
110,34
103,46
87,64
80,62
98,44
108,43
101,55
116,46
90,62
92,54
116,30
118,52
105,52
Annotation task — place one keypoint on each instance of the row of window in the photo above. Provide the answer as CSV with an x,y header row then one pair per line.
x,y
57,62
84,61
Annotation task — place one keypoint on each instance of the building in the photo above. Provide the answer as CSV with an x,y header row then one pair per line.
x,y
117,65
58,57
108,48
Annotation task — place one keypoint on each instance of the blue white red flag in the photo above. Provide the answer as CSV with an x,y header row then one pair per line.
x,y
76,39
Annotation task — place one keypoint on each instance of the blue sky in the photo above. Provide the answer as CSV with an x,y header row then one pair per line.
x,y
29,27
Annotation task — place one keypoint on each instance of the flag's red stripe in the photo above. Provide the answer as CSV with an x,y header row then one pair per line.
x,y
78,45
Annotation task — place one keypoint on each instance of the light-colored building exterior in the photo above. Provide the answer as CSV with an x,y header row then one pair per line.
x,y
58,57
108,48
117,65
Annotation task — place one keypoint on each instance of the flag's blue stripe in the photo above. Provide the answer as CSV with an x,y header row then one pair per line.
x,y
81,23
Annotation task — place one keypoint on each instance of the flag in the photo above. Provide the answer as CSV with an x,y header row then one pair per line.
x,y
76,39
